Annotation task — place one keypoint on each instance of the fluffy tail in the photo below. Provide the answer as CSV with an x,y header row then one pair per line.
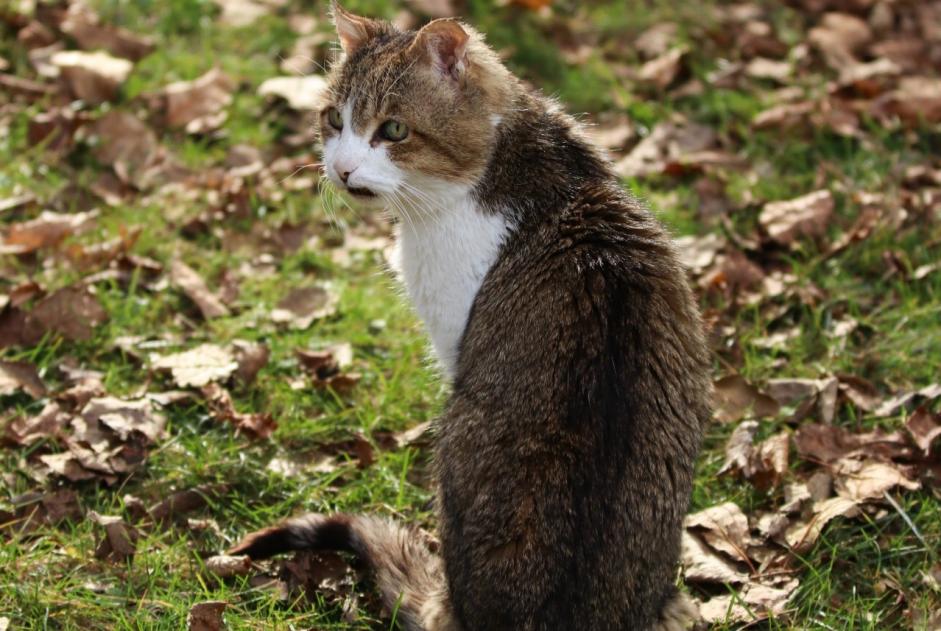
x,y
410,577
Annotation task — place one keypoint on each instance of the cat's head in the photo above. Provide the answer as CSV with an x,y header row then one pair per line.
x,y
410,110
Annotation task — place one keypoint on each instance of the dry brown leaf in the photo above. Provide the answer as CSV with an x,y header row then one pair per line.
x,y
785,116
656,40
206,616
765,464
326,366
119,540
197,106
825,444
699,253
839,37
924,426
239,13
16,376
92,77
198,366
180,503
251,358
303,305
227,566
49,423
907,400
46,230
724,528
73,312
131,148
701,564
192,284
735,398
806,216
762,68
802,534
301,93
753,603
84,26
34,510
917,100
670,142
256,425
862,481
662,71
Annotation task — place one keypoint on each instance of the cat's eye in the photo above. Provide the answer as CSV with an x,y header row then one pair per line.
x,y
335,118
393,130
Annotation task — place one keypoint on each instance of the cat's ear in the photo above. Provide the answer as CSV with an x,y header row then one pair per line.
x,y
444,43
353,30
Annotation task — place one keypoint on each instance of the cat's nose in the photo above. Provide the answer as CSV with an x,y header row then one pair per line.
x,y
344,171
344,175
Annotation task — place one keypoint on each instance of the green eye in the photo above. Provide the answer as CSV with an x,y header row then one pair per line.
x,y
393,130
334,118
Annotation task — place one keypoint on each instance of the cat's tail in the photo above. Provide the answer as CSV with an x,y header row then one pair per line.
x,y
410,577
678,614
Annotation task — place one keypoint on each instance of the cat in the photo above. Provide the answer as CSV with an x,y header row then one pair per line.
x,y
558,310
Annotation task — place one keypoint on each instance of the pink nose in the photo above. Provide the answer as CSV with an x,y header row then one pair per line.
x,y
344,172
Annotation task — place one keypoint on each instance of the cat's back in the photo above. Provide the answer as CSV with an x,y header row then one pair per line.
x,y
579,401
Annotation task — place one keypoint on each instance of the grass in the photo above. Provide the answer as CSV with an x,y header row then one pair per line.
x,y
853,576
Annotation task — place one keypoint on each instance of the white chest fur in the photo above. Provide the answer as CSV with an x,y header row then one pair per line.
x,y
443,261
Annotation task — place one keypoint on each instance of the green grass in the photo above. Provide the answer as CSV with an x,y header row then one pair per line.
x,y
51,579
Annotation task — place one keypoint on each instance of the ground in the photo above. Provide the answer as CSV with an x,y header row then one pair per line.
x,y
842,288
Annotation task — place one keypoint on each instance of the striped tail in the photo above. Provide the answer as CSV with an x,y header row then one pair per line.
x,y
410,577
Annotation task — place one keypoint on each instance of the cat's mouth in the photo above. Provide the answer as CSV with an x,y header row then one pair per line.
x,y
360,192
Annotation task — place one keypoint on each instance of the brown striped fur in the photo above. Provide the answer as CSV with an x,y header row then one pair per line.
x,y
565,455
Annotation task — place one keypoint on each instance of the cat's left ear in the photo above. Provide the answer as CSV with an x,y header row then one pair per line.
x,y
445,44
353,30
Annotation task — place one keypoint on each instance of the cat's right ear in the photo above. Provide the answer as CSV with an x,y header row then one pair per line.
x,y
353,30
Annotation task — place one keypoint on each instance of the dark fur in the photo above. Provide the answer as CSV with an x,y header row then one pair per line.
x,y
565,456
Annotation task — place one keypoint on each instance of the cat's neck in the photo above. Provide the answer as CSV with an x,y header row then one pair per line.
x,y
442,258
540,162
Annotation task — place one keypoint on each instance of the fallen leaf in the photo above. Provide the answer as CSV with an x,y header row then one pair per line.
x,y
735,398
764,464
325,366
206,616
656,40
130,147
724,528
662,71
239,13
826,444
670,142
197,106
15,376
47,230
251,358
753,603
301,93
917,100
227,566
862,481
49,423
910,399
198,366
701,564
839,37
180,503
84,26
802,534
256,425
192,284
92,77
806,216
73,312
924,426
303,305
119,541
